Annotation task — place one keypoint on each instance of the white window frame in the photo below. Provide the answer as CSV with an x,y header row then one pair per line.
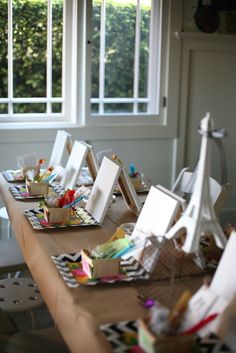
x,y
76,92
48,115
165,123
155,91
101,100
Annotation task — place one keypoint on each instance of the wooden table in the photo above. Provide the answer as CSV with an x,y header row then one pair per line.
x,y
78,312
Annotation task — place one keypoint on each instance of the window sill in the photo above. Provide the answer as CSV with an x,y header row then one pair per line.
x,y
32,132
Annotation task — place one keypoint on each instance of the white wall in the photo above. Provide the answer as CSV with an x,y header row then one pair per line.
x,y
208,84
154,157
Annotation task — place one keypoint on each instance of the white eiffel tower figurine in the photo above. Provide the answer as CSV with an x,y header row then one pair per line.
x,y
199,217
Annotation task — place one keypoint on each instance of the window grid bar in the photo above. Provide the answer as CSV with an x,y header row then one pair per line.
x,y
150,55
158,55
32,115
102,57
154,57
10,56
31,100
63,56
136,57
120,100
49,55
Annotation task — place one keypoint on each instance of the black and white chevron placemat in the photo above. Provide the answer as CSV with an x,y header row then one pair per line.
x,y
115,333
132,268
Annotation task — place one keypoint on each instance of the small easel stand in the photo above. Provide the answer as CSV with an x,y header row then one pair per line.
x,y
127,189
91,161
199,217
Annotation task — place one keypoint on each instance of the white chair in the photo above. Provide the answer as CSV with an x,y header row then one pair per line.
x,y
20,295
185,182
218,191
16,294
4,216
183,186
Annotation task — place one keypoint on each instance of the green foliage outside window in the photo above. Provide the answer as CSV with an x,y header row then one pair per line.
x,y
119,48
30,50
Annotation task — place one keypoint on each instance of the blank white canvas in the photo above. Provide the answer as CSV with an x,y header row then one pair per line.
x,y
157,215
103,188
74,165
59,147
224,280
172,194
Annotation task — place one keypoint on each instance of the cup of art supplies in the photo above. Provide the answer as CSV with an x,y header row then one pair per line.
x,y
135,178
59,208
98,268
158,333
32,170
55,214
34,185
104,259
36,188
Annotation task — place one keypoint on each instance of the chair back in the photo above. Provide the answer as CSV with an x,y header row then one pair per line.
x,y
218,191
185,182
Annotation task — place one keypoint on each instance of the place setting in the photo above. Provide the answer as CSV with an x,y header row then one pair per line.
x,y
77,207
132,251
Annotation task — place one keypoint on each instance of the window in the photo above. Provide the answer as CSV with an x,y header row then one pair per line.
x,y
31,58
126,47
83,62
